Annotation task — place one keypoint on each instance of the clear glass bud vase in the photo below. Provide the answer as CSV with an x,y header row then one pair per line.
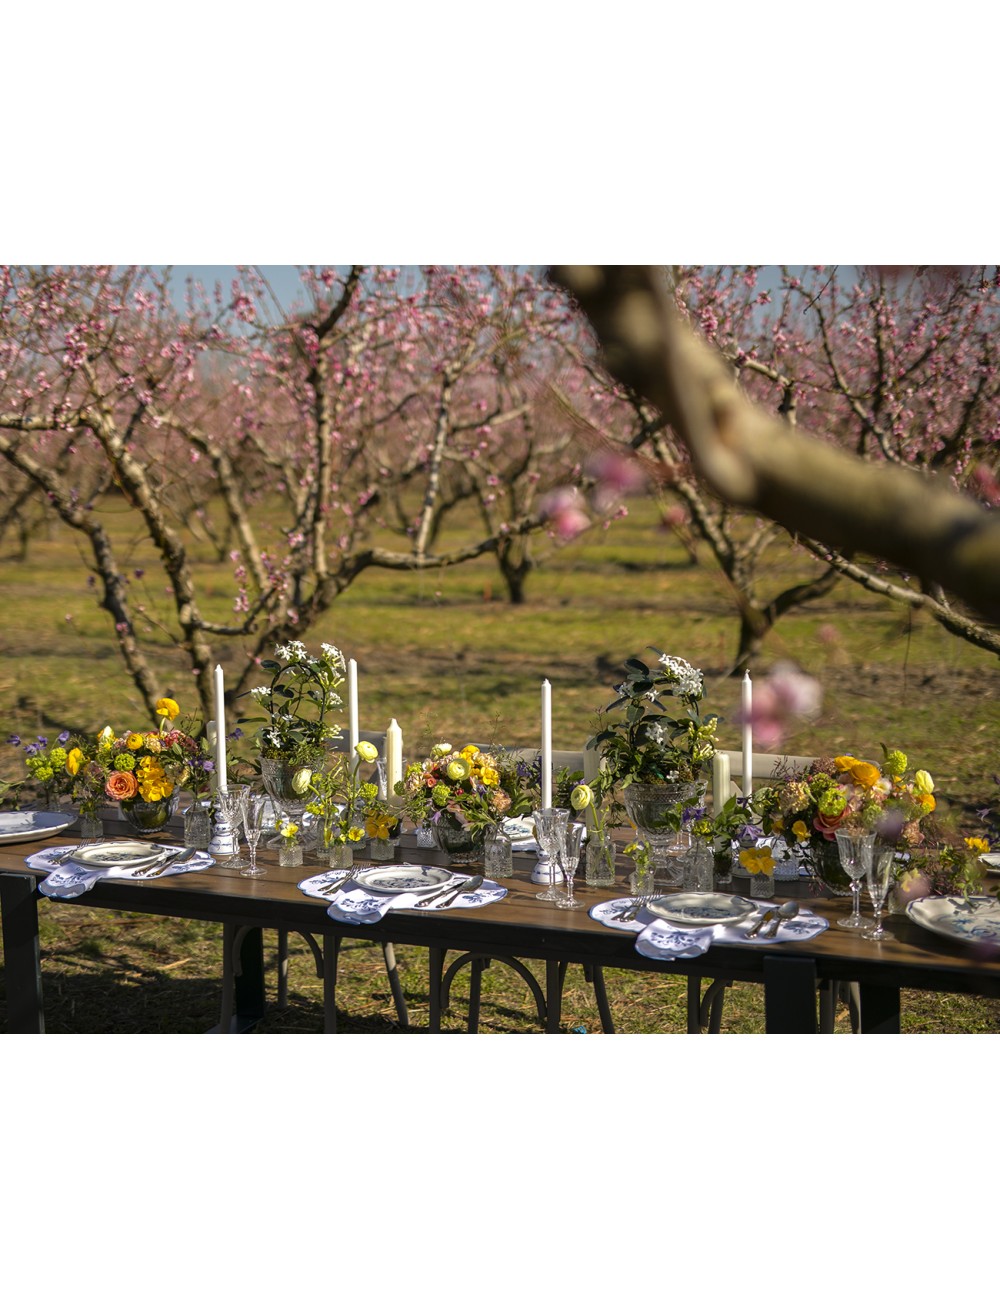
x,y
498,853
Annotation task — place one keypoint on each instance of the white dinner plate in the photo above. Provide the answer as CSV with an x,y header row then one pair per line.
x,y
701,909
406,878
118,853
955,919
992,861
19,827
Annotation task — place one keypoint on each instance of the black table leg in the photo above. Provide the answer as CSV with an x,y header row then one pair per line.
x,y
879,1009
22,954
250,979
789,995
435,973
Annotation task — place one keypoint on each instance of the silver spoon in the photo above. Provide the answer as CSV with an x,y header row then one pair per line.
x,y
785,913
447,896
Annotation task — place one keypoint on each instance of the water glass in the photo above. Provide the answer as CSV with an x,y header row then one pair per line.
x,y
880,877
253,827
550,831
569,860
855,848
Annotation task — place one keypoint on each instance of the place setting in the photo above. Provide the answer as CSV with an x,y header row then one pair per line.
x,y
363,895
688,924
76,870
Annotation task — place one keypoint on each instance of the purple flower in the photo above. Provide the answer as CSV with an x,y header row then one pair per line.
x,y
235,734
42,741
13,740
62,737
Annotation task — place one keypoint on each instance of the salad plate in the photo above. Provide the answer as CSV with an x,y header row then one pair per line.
x,y
972,920
404,878
701,909
992,861
20,827
118,853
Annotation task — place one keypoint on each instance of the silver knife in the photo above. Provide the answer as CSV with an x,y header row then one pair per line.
x,y
451,891
761,921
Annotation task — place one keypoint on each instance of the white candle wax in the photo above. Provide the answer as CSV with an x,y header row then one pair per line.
x,y
211,731
747,736
720,782
220,729
546,745
352,710
393,760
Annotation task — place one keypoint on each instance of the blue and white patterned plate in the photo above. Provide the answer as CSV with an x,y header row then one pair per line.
x,y
972,920
701,909
405,878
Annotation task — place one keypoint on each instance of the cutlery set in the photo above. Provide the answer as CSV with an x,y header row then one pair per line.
x,y
766,925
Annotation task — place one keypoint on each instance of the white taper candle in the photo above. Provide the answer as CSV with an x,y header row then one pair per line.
x,y
720,782
220,728
393,760
546,744
747,735
352,710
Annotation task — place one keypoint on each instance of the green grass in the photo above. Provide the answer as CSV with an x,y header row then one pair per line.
x,y
448,658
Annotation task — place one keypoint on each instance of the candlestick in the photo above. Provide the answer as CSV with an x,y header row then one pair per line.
x,y
220,728
747,736
720,782
546,744
393,761
352,710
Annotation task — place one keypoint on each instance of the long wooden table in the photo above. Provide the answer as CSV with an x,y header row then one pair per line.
x,y
518,927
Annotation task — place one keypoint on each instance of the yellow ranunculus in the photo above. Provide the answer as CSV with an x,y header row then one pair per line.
x,y
865,775
134,740
488,775
74,761
844,762
469,751
301,779
167,708
924,782
366,750
459,769
581,797
927,802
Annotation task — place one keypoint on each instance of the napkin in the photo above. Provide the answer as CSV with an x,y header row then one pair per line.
x,y
357,906
659,939
70,879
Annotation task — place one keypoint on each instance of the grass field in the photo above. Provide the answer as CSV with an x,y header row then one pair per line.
x,y
449,659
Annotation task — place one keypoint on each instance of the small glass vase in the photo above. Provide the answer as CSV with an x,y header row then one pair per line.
x,y
89,825
722,853
425,837
380,850
761,884
289,853
198,824
699,868
341,855
599,859
498,853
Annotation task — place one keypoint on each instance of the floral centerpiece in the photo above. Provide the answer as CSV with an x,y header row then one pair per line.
x,y
296,731
460,795
46,766
346,800
145,770
954,868
845,792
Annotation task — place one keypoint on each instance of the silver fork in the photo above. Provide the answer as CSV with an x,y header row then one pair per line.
x,y
330,889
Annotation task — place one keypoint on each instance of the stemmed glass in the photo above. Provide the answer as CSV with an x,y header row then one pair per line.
x,y
232,800
879,881
550,831
569,860
253,826
855,848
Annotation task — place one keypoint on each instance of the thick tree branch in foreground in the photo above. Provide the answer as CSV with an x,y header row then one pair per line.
x,y
756,461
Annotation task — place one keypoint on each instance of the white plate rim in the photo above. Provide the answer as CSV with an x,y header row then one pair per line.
x,y
992,861
59,822
745,909
442,877
916,910
145,856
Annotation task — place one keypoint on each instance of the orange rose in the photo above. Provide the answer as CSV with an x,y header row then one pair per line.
x,y
121,785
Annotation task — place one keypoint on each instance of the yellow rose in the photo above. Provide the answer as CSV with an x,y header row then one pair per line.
x,y
74,761
133,740
167,708
581,797
366,750
459,769
924,782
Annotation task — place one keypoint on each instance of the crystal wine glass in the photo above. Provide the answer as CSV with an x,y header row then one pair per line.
x,y
879,881
253,826
231,801
569,860
855,848
550,828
